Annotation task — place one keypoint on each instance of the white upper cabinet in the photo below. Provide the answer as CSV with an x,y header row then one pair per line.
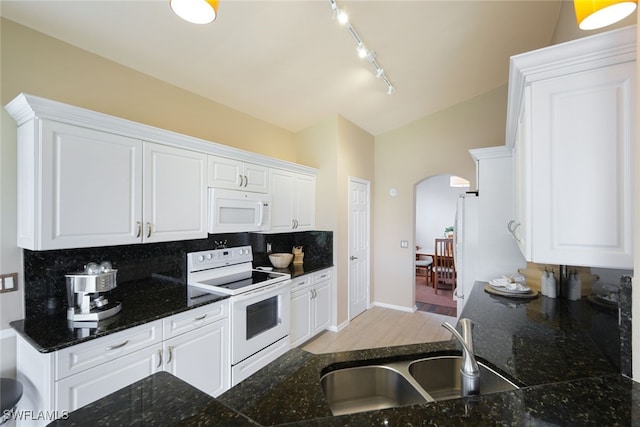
x,y
77,187
80,187
293,198
573,139
236,175
89,179
175,194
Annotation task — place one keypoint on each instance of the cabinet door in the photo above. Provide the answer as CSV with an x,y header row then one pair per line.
x,y
301,328
322,306
90,188
175,194
520,228
201,357
582,139
256,178
81,389
225,173
305,202
282,189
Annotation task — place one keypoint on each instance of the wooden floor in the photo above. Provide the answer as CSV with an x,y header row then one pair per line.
x,y
383,327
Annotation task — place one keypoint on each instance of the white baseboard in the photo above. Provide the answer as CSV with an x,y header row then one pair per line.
x,y
395,307
339,327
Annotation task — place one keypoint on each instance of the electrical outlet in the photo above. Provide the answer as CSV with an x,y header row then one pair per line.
x,y
8,282
268,248
404,243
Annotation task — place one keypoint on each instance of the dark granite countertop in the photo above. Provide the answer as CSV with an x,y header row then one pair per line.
x,y
568,376
297,270
142,301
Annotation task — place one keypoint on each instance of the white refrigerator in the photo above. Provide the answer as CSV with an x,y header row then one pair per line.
x,y
465,246
484,248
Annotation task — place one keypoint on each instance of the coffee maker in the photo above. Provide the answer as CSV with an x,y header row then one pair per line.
x,y
86,293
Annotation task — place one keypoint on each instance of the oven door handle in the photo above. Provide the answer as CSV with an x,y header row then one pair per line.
x,y
276,287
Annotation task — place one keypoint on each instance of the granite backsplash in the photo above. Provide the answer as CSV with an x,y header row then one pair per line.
x,y
44,271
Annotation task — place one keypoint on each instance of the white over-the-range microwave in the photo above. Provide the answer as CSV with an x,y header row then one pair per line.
x,y
232,211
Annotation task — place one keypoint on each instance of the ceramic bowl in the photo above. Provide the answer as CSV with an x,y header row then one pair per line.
x,y
280,260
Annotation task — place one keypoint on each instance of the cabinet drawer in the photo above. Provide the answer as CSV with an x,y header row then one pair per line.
x,y
79,390
300,283
194,319
78,358
321,276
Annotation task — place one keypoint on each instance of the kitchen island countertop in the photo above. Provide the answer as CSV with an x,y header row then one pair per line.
x,y
568,376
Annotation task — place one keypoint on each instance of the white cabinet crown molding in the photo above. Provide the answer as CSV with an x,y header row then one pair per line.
x,y
586,53
26,107
490,152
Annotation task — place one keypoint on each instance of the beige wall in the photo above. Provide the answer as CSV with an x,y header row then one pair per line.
x,y
434,145
340,150
43,66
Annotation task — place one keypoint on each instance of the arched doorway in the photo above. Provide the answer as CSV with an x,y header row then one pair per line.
x,y
436,199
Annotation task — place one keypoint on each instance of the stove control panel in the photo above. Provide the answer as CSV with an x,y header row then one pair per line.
x,y
214,258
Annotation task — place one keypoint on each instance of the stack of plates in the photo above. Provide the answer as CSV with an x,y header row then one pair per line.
x,y
514,284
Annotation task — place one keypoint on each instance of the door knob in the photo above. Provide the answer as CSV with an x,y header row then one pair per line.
x,y
353,257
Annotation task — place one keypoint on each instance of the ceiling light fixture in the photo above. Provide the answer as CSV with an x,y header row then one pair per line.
x,y
362,50
592,14
195,11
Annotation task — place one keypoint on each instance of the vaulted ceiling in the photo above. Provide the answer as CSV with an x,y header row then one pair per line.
x,y
290,62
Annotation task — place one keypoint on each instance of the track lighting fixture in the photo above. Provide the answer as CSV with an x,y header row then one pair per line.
x,y
364,53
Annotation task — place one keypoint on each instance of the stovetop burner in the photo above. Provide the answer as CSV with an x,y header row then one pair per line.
x,y
228,271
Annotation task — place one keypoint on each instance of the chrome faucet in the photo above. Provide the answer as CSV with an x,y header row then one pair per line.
x,y
470,371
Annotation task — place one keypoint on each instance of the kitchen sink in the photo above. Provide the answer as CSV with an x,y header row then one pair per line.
x,y
368,388
389,385
440,377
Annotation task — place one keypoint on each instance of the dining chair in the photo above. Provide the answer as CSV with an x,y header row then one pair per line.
x,y
444,270
425,262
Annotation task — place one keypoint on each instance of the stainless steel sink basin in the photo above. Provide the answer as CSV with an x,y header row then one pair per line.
x,y
368,388
440,377
373,387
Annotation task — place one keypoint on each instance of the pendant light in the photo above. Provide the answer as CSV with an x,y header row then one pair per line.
x,y
592,14
195,11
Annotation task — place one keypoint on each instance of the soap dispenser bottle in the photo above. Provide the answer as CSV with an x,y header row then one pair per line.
x,y
552,286
544,282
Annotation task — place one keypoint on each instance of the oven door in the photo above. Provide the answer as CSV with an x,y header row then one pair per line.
x,y
259,319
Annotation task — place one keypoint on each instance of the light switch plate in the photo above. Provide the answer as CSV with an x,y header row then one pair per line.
x,y
8,282
404,243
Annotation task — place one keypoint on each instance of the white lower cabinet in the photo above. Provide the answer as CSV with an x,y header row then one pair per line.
x,y
310,306
193,346
201,358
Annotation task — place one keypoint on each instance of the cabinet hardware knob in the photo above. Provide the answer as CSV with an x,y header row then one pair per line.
x,y
241,182
353,257
159,359
246,180
139,233
148,229
200,318
170,349
115,347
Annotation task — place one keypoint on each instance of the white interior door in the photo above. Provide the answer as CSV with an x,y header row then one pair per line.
x,y
358,246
